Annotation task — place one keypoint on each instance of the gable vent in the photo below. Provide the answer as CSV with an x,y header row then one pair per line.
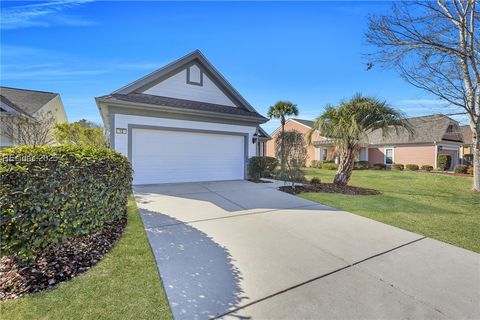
x,y
194,75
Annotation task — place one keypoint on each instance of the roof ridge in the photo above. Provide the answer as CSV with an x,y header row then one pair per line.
x,y
22,89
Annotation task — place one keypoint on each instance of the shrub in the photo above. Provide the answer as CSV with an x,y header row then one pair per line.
x,y
444,162
470,170
316,164
379,166
256,167
360,165
330,166
49,195
398,166
412,167
315,181
427,167
271,164
460,168
328,161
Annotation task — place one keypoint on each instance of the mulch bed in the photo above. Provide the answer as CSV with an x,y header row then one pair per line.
x,y
329,188
259,181
56,264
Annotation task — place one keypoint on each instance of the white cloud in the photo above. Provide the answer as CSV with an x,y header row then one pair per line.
x,y
43,14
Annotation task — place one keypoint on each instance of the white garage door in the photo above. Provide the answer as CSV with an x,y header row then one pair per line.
x,y
162,156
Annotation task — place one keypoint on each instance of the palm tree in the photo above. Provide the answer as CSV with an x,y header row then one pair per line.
x,y
280,110
350,122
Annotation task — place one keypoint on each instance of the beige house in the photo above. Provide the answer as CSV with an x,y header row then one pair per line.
x,y
30,103
433,135
321,148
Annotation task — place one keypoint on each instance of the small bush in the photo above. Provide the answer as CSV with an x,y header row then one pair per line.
x,y
427,167
412,167
444,162
330,166
328,161
379,166
49,195
360,165
460,168
315,181
316,164
470,170
398,166
256,168
271,164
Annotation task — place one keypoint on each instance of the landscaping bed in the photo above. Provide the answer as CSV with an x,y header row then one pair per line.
x,y
329,188
56,264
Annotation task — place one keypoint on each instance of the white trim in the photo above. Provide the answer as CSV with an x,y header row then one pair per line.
x,y
385,155
436,154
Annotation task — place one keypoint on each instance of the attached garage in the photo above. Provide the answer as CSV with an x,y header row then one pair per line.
x,y
183,123
165,155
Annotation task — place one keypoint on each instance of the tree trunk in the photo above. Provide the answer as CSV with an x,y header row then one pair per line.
x,y
345,167
282,152
476,159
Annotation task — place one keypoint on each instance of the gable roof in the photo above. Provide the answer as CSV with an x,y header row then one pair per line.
x,y
149,99
25,101
174,67
467,134
427,129
262,134
308,123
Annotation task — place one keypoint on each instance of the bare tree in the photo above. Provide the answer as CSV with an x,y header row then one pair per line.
x,y
295,149
435,46
23,129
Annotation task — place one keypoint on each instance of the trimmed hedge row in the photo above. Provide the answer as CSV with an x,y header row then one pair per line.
x,y
49,195
261,167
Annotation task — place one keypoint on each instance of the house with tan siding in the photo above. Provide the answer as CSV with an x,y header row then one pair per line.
x,y
432,136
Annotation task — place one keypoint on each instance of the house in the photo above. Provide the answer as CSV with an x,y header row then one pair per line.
x,y
467,146
30,103
182,123
433,135
321,148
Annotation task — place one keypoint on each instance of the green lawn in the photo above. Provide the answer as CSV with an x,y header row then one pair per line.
x,y
437,206
124,285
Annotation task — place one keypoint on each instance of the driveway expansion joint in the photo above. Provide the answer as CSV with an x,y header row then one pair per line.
x,y
323,276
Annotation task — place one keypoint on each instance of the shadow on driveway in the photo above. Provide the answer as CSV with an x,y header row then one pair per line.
x,y
198,274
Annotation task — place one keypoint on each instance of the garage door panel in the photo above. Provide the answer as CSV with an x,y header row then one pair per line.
x,y
160,156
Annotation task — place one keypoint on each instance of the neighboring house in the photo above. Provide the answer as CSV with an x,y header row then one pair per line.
x,y
184,122
32,103
320,149
467,146
433,135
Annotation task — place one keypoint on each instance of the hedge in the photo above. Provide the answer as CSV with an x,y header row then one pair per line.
x,y
360,165
271,165
329,166
316,164
256,168
49,195
427,167
444,162
412,167
460,168
379,166
398,166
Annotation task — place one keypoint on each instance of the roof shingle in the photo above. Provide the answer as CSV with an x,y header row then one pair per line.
x,y
28,101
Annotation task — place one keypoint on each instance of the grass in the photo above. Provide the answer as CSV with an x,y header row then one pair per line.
x,y
124,285
437,206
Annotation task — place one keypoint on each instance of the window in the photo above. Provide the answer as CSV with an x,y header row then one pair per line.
x,y
324,154
388,155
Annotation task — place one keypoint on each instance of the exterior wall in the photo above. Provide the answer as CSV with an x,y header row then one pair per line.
x,y
120,141
293,125
376,155
414,154
177,87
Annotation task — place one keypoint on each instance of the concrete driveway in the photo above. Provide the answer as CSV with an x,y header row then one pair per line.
x,y
240,250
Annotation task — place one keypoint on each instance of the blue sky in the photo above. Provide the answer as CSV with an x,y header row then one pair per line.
x,y
311,53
